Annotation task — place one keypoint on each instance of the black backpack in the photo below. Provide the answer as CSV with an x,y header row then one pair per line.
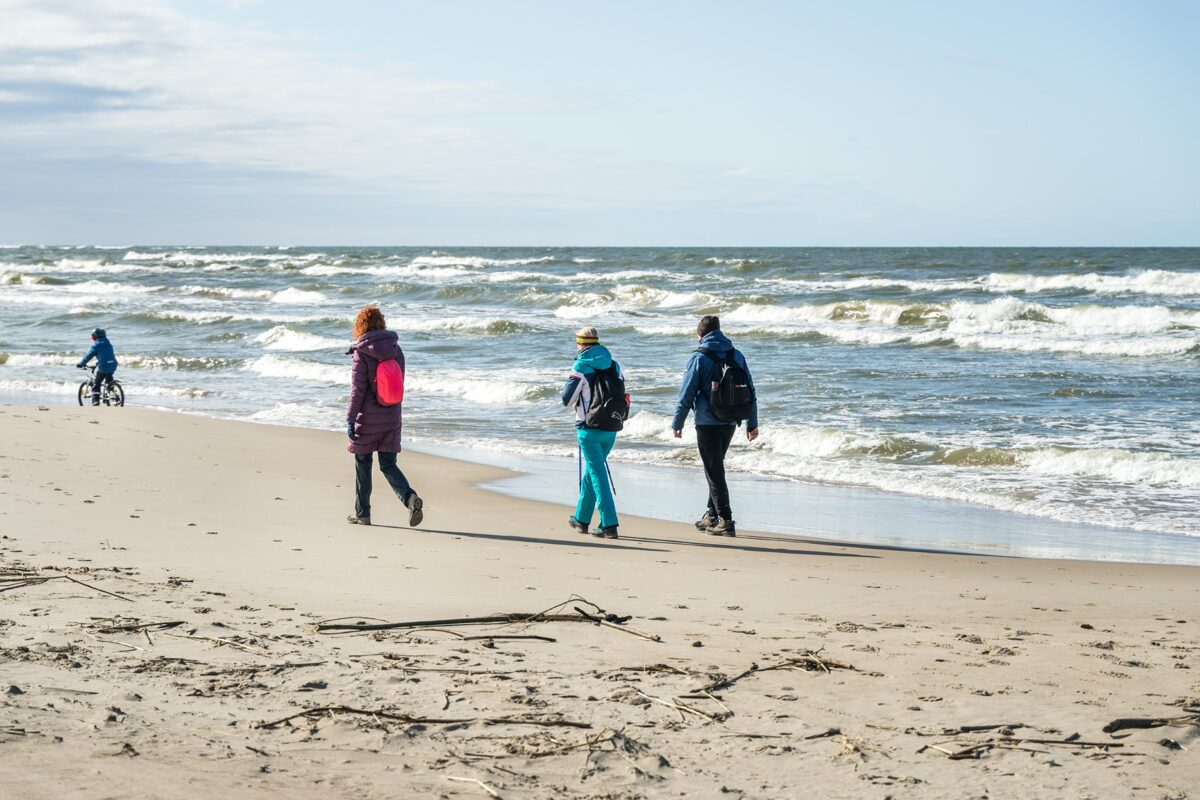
x,y
610,405
730,395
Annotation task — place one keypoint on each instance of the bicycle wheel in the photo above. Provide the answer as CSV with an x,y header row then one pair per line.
x,y
116,394
85,392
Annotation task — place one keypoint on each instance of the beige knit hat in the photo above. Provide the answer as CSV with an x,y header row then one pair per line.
x,y
587,335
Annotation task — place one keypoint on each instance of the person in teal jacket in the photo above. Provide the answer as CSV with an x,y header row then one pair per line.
x,y
595,486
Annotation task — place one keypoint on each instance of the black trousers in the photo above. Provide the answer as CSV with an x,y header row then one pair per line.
x,y
101,378
362,480
713,442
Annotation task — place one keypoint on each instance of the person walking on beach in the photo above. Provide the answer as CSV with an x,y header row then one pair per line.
x,y
373,419
717,384
596,391
106,362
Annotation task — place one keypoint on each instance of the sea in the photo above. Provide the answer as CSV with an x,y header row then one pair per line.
x,y
1054,389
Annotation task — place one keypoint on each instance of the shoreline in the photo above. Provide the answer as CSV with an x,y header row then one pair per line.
x,y
878,516
232,536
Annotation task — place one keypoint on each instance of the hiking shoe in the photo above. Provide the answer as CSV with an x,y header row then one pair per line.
x,y
608,533
355,519
415,512
706,522
723,527
582,527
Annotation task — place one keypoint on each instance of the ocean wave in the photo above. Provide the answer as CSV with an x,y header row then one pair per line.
x,y
193,257
442,260
462,324
299,297
483,388
221,317
794,442
625,298
1158,282
225,292
1150,281
72,388
300,369
304,415
282,337
1003,324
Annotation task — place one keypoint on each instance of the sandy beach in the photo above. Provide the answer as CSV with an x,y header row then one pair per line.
x,y
190,661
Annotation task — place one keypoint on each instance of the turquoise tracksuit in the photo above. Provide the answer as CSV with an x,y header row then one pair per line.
x,y
594,445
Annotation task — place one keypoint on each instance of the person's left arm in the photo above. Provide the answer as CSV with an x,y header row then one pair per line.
x,y
752,422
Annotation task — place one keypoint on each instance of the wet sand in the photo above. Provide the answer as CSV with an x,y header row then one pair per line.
x,y
776,666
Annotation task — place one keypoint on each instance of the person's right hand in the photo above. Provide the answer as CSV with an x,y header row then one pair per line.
x,y
350,431
678,434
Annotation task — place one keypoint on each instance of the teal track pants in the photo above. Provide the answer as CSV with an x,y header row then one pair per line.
x,y
595,446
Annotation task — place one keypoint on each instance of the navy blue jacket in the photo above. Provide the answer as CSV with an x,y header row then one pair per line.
x,y
102,351
701,372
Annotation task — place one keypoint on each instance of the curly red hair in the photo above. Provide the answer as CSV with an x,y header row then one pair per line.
x,y
369,318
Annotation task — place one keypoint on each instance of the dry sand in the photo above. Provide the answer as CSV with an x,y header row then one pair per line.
x,y
236,531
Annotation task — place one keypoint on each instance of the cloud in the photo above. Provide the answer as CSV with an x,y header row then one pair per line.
x,y
139,81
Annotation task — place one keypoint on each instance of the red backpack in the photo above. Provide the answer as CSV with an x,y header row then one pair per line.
x,y
389,383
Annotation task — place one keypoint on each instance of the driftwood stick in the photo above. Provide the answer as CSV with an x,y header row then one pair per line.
x,y
680,707
219,641
1126,723
330,710
144,626
96,588
548,723
496,619
513,636
379,714
33,580
476,781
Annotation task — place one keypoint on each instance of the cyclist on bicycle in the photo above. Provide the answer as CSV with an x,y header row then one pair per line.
x,y
106,362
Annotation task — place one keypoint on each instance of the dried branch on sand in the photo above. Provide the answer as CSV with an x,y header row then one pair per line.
x,y
598,617
408,719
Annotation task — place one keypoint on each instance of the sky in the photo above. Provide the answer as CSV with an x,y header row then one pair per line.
x,y
624,122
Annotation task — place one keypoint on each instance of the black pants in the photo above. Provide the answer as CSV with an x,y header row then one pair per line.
x,y
713,441
362,480
101,378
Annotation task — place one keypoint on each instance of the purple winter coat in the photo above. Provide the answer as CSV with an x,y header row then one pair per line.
x,y
377,427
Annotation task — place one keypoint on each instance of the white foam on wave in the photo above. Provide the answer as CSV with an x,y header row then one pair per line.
x,y
467,323
1121,466
1159,282
72,388
477,261
1036,480
1006,323
230,292
37,360
196,257
1150,281
482,388
299,297
282,337
624,298
304,415
218,317
300,369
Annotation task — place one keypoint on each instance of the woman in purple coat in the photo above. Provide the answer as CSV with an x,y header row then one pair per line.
x,y
371,426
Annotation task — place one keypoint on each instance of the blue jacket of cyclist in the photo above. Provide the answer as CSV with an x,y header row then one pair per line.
x,y
102,351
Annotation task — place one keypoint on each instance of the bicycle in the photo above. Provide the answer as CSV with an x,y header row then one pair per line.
x,y
111,391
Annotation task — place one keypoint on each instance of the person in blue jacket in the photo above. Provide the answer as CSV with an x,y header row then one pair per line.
x,y
106,362
594,445
713,435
